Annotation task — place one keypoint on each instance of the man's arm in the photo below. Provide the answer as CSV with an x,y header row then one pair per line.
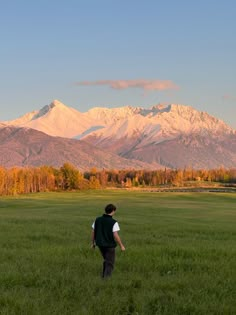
x,y
118,240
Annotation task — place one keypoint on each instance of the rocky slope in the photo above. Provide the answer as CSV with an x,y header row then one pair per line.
x,y
29,147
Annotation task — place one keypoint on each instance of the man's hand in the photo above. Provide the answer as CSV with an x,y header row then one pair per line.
x,y
122,248
118,240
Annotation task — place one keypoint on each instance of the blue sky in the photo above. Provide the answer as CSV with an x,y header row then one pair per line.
x,y
50,48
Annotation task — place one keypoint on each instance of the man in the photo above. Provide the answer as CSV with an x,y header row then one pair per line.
x,y
105,236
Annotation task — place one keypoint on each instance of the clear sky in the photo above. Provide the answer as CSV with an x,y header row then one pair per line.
x,y
89,53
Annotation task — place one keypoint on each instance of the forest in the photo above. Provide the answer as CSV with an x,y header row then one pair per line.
x,y
26,180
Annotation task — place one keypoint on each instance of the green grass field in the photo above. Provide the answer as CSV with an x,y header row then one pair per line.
x,y
180,254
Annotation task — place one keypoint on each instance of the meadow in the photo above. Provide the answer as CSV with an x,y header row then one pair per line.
x,y
180,254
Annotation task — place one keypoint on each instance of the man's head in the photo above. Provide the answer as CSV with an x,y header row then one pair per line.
x,y
110,208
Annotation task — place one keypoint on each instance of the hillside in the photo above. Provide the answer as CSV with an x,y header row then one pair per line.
x,y
29,147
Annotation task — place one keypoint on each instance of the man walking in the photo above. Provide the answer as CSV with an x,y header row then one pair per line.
x,y
105,236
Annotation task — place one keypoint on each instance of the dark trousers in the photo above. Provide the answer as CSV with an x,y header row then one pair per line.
x,y
108,255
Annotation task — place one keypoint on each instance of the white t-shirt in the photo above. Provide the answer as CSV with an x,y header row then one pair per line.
x,y
115,228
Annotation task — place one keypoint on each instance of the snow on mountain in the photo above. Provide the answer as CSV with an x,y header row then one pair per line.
x,y
107,116
88,131
185,119
155,124
124,127
56,119
161,123
173,136
23,119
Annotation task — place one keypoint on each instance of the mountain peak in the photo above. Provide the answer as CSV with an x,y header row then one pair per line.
x,y
47,108
56,103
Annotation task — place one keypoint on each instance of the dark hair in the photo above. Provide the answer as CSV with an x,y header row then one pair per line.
x,y
109,208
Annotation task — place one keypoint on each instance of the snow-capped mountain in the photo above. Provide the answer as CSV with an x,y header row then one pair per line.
x,y
167,122
156,125
173,135
56,119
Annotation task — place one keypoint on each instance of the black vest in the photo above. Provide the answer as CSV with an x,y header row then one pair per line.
x,y
103,231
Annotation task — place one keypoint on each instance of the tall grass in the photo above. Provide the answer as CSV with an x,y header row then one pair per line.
x,y
180,257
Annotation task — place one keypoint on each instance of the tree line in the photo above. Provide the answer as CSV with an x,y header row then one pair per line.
x,y
25,180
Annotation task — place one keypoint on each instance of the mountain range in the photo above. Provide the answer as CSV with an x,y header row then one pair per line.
x,y
173,136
